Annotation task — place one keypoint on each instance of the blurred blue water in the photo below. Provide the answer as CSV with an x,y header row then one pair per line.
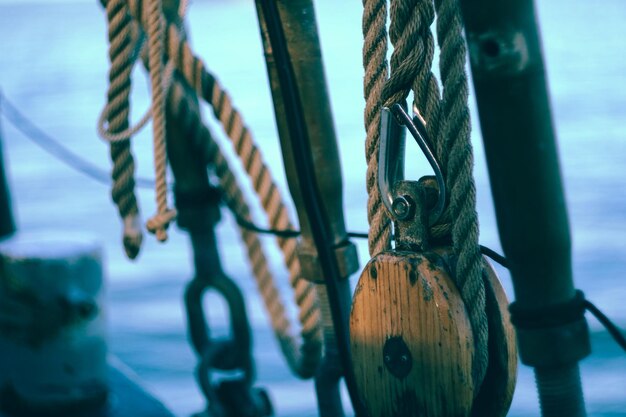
x,y
53,66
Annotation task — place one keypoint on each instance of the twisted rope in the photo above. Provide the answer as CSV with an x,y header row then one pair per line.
x,y
206,86
375,64
454,137
301,356
159,222
448,126
118,109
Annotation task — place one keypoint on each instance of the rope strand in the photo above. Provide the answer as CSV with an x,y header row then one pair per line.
x,y
120,54
158,223
456,156
375,63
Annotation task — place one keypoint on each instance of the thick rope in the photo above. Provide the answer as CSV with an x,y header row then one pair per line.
x,y
159,222
302,357
449,128
454,137
120,55
123,51
375,63
412,58
206,86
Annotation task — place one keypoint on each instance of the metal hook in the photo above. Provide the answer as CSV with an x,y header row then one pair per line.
x,y
389,158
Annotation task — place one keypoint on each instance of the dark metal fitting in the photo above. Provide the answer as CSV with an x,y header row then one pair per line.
x,y
390,161
403,207
411,231
347,261
554,335
499,52
197,209
554,346
560,391
237,399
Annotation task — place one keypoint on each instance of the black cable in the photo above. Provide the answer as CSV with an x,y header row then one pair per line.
x,y
310,194
358,235
613,330
56,149
611,327
494,256
253,227
284,233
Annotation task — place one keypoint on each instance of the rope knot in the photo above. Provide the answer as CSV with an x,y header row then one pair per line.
x,y
158,224
132,236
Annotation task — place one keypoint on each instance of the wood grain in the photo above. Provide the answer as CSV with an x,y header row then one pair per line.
x,y
496,392
411,296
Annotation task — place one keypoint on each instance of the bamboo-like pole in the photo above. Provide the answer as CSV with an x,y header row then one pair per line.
x,y
305,126
520,144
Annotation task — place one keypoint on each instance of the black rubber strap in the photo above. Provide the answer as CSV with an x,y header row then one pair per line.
x,y
210,196
549,316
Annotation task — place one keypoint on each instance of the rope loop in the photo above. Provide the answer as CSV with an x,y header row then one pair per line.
x,y
125,47
107,135
158,224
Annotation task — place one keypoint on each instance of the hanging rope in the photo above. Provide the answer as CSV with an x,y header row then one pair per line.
x,y
454,137
206,86
121,48
375,63
126,134
302,356
447,121
159,222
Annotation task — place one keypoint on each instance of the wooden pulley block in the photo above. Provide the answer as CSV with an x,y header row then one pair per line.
x,y
495,393
411,339
412,343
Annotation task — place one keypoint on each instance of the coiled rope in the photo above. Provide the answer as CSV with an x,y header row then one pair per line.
x,y
448,125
